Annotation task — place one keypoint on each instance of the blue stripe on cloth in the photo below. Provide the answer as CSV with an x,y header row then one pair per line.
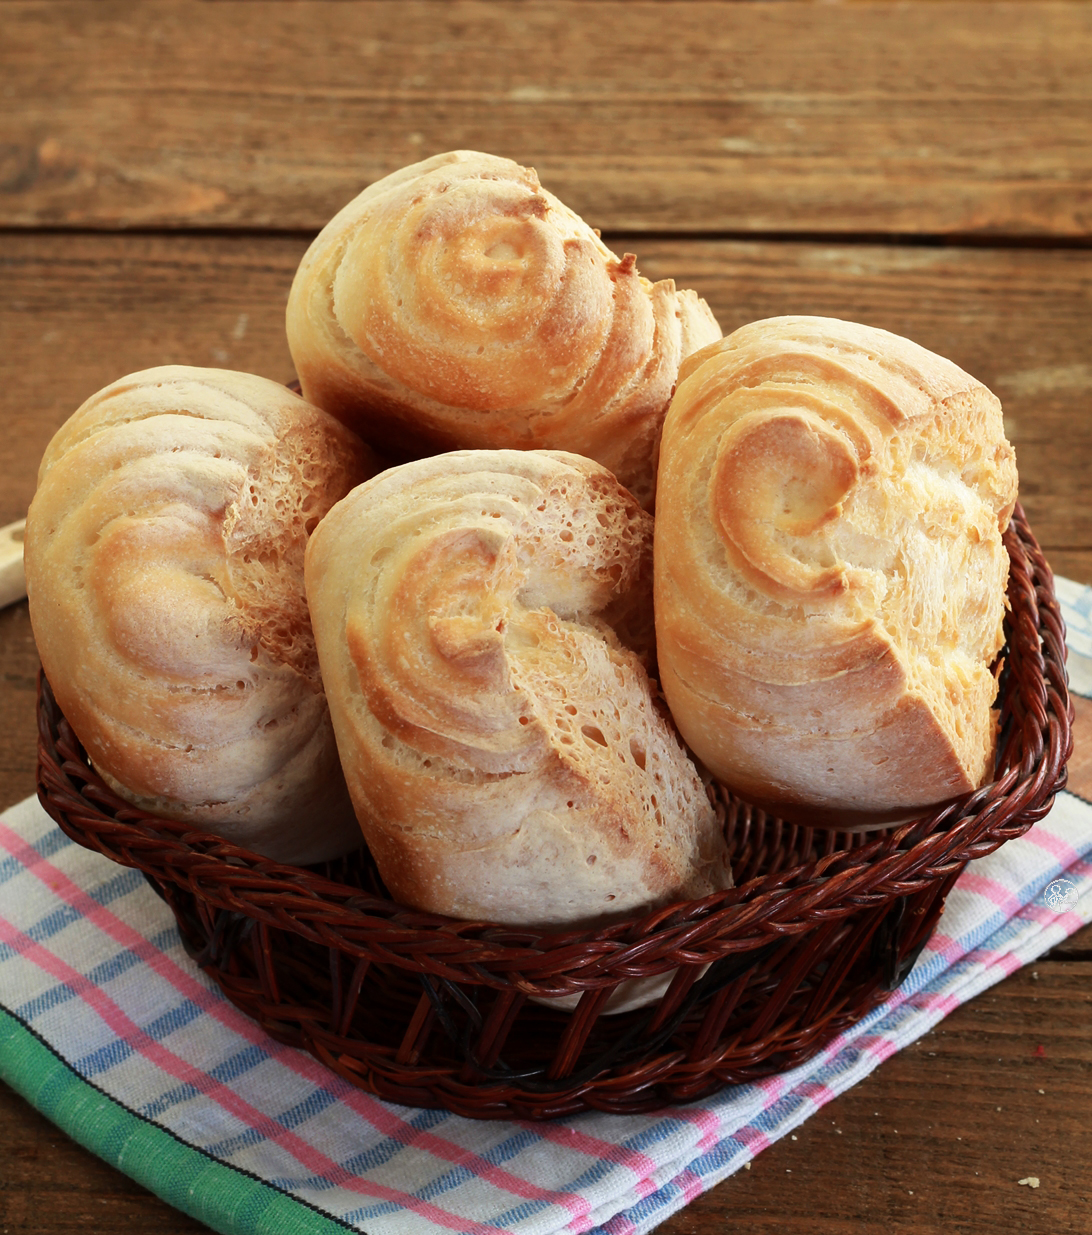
x,y
666,1140
790,1108
46,846
60,918
378,1155
715,1163
314,1104
109,969
355,1217
106,1057
104,894
997,922
497,1155
721,1159
884,1021
601,1168
173,1019
504,1151
1005,930
229,1069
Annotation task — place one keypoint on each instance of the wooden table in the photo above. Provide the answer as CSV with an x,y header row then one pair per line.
x,y
923,166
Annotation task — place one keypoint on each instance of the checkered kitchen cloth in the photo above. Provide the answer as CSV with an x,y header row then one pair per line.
x,y
110,1030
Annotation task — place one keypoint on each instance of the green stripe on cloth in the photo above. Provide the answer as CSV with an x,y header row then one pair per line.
x,y
225,1199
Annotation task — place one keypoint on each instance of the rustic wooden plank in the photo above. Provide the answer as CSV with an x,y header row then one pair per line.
x,y
1073,563
1080,763
935,1140
691,116
18,712
919,1144
49,1183
1077,947
1021,321
939,1136
80,311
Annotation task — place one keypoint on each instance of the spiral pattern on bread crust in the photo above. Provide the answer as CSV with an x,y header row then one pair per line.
x,y
164,554
502,744
457,303
830,575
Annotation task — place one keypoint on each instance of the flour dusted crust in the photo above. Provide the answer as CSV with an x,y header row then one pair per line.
x,y
482,619
830,575
457,303
164,556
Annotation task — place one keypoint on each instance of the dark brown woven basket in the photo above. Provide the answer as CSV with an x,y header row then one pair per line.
x,y
430,1011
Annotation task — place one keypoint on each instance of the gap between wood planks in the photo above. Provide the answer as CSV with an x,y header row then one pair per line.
x,y
617,238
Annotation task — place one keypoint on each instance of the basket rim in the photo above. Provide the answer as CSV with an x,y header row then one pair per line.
x,y
890,863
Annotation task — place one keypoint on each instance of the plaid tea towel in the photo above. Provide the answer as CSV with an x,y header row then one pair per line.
x,y
109,1029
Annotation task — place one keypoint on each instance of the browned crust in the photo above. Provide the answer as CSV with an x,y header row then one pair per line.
x,y
829,568
459,304
164,556
504,748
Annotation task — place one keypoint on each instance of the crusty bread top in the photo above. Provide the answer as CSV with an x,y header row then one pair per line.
x,y
164,552
502,744
829,568
457,303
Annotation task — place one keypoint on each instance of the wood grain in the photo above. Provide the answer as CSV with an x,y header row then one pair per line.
x,y
1080,763
82,310
49,1182
779,157
939,1137
934,1140
910,119
18,705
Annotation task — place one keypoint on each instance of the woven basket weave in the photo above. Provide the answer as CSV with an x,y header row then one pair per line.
x,y
430,1011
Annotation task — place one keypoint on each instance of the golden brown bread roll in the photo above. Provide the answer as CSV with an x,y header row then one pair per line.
x,y
502,743
457,303
830,575
164,557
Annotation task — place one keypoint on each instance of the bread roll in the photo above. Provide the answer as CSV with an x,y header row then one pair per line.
x,y
457,303
164,559
481,618
830,575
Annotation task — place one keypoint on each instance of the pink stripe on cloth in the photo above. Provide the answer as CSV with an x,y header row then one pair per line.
x,y
816,1091
707,1121
688,1183
1043,838
989,958
711,1126
878,1046
1069,918
752,1139
932,1001
367,1107
772,1088
645,1187
619,1225
173,1065
641,1164
701,1117
1079,868
971,881
945,947
1042,914
703,1122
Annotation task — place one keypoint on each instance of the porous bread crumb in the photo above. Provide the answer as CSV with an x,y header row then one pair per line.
x,y
485,656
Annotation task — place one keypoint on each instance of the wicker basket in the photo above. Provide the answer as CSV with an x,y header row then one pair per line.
x,y
430,1011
